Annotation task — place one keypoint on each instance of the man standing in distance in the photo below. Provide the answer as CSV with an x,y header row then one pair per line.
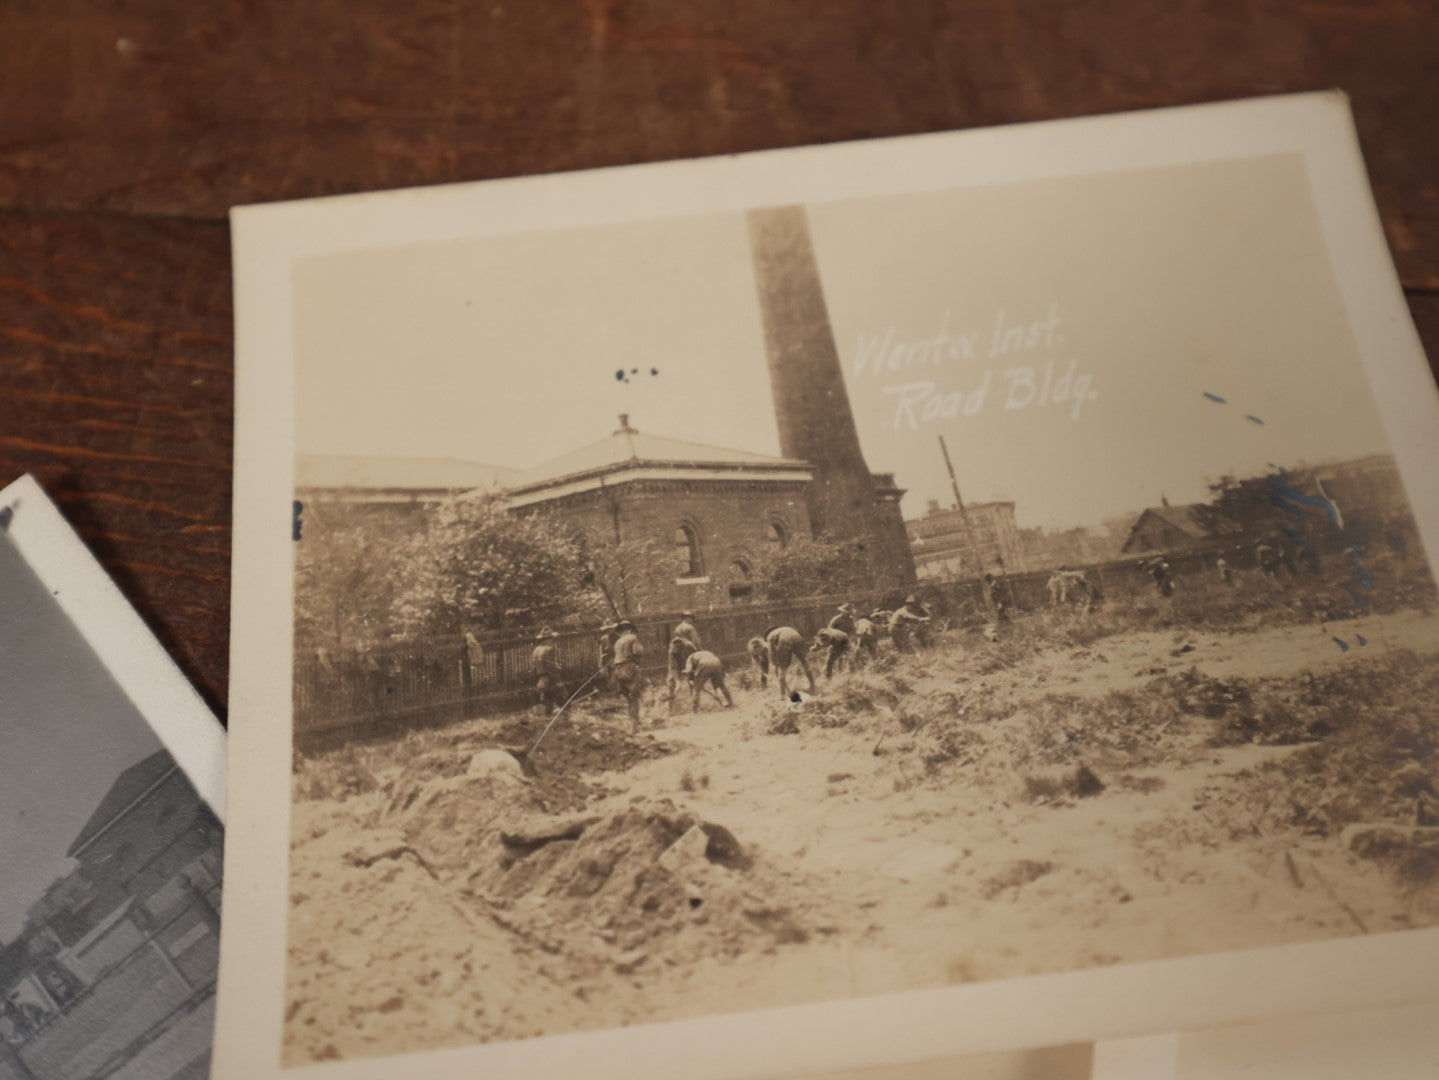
x,y
686,629
605,670
679,651
843,620
546,664
627,678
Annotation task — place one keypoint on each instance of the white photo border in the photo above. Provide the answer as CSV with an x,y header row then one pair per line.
x,y
1116,1002
120,638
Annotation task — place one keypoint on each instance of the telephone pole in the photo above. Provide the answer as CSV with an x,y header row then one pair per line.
x,y
958,499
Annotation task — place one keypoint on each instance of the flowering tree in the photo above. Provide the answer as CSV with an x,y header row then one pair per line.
x,y
346,564
477,565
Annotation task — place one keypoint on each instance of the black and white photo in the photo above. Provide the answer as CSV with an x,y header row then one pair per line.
x,y
110,896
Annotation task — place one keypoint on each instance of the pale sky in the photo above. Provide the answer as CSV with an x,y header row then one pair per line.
x,y
67,731
1158,286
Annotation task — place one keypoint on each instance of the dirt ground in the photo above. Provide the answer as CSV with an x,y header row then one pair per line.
x,y
1048,801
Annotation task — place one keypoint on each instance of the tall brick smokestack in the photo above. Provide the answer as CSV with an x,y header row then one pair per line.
x,y
816,424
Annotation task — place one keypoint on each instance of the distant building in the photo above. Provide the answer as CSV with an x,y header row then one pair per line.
x,y
950,544
392,482
148,873
1116,529
714,512
1165,528
1049,549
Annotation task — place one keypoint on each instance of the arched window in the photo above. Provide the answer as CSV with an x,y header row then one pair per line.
x,y
687,548
778,535
740,588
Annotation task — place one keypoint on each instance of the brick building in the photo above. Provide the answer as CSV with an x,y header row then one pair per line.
x,y
712,513
950,543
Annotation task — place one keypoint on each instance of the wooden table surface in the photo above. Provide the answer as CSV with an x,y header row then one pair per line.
x,y
128,130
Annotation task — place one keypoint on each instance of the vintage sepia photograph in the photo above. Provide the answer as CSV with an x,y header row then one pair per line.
x,y
818,599
799,603
110,896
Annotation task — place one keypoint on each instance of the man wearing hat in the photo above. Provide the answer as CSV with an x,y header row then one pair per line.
x,y
911,616
680,650
627,678
545,663
684,640
843,620
686,629
838,644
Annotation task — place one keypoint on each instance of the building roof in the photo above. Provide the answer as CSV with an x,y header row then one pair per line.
x,y
397,473
1180,518
627,450
128,787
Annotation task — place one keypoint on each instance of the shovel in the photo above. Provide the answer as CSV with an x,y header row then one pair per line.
x,y
527,766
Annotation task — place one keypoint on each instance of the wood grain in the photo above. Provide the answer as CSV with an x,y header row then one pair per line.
x,y
128,130
171,107
116,379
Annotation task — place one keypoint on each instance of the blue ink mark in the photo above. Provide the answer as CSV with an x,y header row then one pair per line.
x,y
1360,638
1285,496
620,375
1290,508
1254,420
1216,397
1343,645
1362,580
296,523
654,371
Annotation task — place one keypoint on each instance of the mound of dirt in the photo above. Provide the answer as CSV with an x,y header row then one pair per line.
x,y
654,885
381,958
1013,878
